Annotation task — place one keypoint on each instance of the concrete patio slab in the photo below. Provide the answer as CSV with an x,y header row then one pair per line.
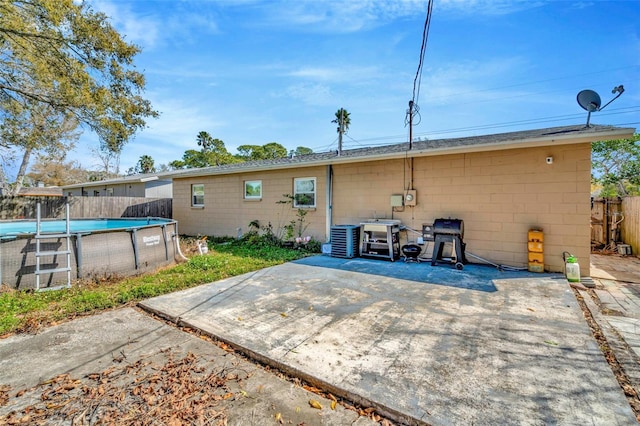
x,y
93,344
435,345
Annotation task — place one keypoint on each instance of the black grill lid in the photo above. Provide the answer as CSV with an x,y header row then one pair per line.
x,y
449,226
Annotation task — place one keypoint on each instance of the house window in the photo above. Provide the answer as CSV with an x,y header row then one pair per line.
x,y
252,189
110,192
197,195
304,192
96,193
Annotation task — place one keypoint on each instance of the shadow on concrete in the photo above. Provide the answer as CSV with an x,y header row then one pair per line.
x,y
473,277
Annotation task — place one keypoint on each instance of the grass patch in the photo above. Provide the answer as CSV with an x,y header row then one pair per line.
x,y
22,311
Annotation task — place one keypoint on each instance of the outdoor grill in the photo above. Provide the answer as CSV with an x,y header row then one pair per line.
x,y
449,231
411,252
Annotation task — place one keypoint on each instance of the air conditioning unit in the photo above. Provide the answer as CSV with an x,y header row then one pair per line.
x,y
345,241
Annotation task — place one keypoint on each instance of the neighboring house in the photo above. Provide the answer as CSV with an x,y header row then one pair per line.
x,y
41,191
155,185
501,185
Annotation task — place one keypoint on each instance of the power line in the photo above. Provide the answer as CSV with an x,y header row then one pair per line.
x,y
386,140
413,103
573,77
529,121
423,49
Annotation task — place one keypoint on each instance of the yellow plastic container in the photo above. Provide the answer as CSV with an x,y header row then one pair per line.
x,y
536,267
535,246
536,235
536,257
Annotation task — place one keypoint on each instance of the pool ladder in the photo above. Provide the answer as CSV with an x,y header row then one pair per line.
x,y
52,253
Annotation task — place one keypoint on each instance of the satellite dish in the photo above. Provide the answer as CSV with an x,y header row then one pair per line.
x,y
589,100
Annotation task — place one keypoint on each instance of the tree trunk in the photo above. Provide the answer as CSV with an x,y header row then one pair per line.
x,y
22,171
4,185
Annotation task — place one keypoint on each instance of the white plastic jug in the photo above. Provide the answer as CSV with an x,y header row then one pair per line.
x,y
572,269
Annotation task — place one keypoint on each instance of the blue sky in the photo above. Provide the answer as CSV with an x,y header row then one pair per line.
x,y
253,72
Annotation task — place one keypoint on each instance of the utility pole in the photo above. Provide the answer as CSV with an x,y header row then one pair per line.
x,y
410,124
340,130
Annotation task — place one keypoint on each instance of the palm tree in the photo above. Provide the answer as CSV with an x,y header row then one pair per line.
x,y
146,165
343,120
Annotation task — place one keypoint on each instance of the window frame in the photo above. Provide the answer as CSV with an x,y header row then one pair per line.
x,y
258,184
297,193
194,200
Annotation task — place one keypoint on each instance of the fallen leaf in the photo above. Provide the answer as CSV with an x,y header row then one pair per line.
x,y
315,404
282,314
531,309
311,388
53,406
333,405
239,318
279,418
551,342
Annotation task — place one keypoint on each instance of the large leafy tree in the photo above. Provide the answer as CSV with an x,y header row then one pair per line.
x,y
53,169
269,151
301,150
37,128
213,150
191,159
62,56
212,153
616,166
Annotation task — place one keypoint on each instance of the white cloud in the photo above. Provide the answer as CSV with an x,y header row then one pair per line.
x,y
141,30
338,73
487,7
179,123
150,29
309,93
458,82
335,16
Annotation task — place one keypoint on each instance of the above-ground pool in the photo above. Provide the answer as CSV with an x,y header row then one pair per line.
x,y
99,247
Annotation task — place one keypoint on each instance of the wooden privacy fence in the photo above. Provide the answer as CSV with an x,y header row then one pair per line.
x,y
631,223
85,207
615,221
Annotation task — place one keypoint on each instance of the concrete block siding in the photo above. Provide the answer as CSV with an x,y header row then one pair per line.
x,y
225,209
500,195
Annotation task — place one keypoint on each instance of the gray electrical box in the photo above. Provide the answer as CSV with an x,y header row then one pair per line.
x,y
397,200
